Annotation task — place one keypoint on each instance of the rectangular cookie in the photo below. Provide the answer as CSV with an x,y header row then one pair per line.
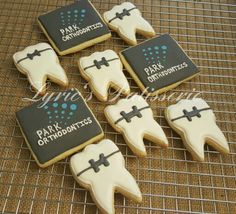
x,y
74,27
158,64
57,127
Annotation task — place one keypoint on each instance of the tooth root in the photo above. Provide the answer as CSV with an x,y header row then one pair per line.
x,y
128,186
155,133
100,88
58,74
144,27
217,139
128,33
195,145
122,83
135,142
38,79
103,194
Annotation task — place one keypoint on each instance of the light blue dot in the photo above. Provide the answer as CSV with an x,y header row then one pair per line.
x,y
76,11
65,123
157,52
48,112
147,58
81,20
68,12
164,47
56,111
61,13
145,54
45,107
64,105
63,112
73,107
62,117
50,121
83,11
71,113
149,49
60,122
76,15
150,53
156,48
153,62
164,52
68,16
68,118
55,105
152,57
57,116
158,57
82,15
144,50
164,57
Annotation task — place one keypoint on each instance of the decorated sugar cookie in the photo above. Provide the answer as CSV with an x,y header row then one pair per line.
x,y
39,62
133,118
195,122
74,27
102,70
158,64
126,19
57,126
101,169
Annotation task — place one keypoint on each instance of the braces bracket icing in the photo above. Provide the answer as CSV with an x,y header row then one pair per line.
x,y
122,14
134,113
32,55
101,161
103,61
189,114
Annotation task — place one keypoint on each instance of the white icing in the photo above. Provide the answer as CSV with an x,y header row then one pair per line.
x,y
199,130
128,26
101,79
41,67
138,128
102,184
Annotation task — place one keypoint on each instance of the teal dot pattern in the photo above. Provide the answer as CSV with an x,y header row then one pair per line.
x,y
71,17
155,54
60,112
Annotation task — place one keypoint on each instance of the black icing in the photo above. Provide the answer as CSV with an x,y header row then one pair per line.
x,y
34,54
134,113
120,16
101,161
69,119
78,21
98,64
189,114
159,62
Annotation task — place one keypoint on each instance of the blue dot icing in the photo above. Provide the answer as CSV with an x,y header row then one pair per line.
x,y
147,58
64,105
50,121
63,112
73,107
76,11
164,52
68,12
149,49
45,107
156,48
157,52
56,111
48,112
150,53
71,113
57,116
143,50
163,47
83,11
55,105
68,118
62,117
50,117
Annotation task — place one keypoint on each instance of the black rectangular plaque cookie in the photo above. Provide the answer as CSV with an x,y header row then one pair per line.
x,y
158,64
57,127
74,27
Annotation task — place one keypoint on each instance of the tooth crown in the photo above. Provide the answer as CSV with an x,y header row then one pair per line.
x,y
39,62
133,118
101,168
127,19
102,69
195,121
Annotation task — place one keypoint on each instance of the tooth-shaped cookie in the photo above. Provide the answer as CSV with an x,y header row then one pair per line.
x,y
102,70
133,118
101,169
126,19
40,62
195,122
